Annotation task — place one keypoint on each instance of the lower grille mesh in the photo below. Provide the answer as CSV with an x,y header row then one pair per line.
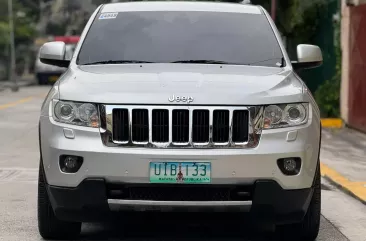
x,y
180,192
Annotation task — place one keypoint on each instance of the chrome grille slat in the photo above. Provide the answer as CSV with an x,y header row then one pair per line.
x,y
170,125
211,126
150,126
190,126
231,113
144,131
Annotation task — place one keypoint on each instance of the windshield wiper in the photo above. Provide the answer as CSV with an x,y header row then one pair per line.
x,y
118,62
282,63
202,61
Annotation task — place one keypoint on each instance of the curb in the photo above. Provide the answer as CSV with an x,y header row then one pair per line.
x,y
355,189
6,85
332,123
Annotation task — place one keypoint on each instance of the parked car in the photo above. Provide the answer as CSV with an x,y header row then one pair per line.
x,y
180,106
46,73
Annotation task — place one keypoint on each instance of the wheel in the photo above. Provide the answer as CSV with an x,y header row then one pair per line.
x,y
48,225
308,229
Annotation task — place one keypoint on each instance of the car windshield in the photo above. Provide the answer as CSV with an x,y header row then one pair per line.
x,y
180,36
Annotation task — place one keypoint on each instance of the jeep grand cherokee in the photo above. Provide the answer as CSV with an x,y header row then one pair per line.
x,y
175,106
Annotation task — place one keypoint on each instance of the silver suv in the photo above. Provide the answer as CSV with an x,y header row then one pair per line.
x,y
174,106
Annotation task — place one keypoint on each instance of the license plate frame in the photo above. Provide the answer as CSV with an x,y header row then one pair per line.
x,y
186,172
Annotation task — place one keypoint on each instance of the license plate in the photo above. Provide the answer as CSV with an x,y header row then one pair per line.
x,y
180,172
53,78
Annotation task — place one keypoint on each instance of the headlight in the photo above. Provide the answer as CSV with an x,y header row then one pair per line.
x,y
277,116
83,114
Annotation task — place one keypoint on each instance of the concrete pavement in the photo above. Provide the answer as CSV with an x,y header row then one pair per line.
x,y
343,160
23,81
343,216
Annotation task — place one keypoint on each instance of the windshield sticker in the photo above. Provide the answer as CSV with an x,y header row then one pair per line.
x,y
108,15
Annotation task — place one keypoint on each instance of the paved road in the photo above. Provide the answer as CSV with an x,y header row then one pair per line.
x,y
343,216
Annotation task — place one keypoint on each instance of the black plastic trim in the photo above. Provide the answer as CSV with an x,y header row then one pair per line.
x,y
87,202
270,202
318,161
59,63
306,65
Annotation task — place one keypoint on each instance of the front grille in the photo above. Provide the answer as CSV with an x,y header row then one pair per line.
x,y
180,193
182,127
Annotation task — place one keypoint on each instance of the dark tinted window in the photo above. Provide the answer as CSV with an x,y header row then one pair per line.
x,y
174,36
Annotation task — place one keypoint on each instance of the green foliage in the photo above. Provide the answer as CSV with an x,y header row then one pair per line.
x,y
328,95
296,19
4,34
288,17
55,28
24,25
98,2
24,32
308,20
299,21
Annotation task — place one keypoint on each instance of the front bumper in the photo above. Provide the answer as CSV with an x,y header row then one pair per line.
x,y
130,165
91,201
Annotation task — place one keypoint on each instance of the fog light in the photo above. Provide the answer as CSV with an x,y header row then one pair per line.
x,y
289,166
70,164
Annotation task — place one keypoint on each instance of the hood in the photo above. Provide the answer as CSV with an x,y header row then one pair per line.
x,y
156,83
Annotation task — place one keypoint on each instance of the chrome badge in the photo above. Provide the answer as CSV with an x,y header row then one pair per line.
x,y
177,98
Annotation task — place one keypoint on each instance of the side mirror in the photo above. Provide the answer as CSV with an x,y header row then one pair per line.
x,y
309,56
53,53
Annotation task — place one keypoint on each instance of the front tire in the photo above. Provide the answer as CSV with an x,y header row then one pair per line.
x,y
308,229
48,225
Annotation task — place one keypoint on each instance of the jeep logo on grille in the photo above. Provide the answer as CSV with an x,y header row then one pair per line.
x,y
177,98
